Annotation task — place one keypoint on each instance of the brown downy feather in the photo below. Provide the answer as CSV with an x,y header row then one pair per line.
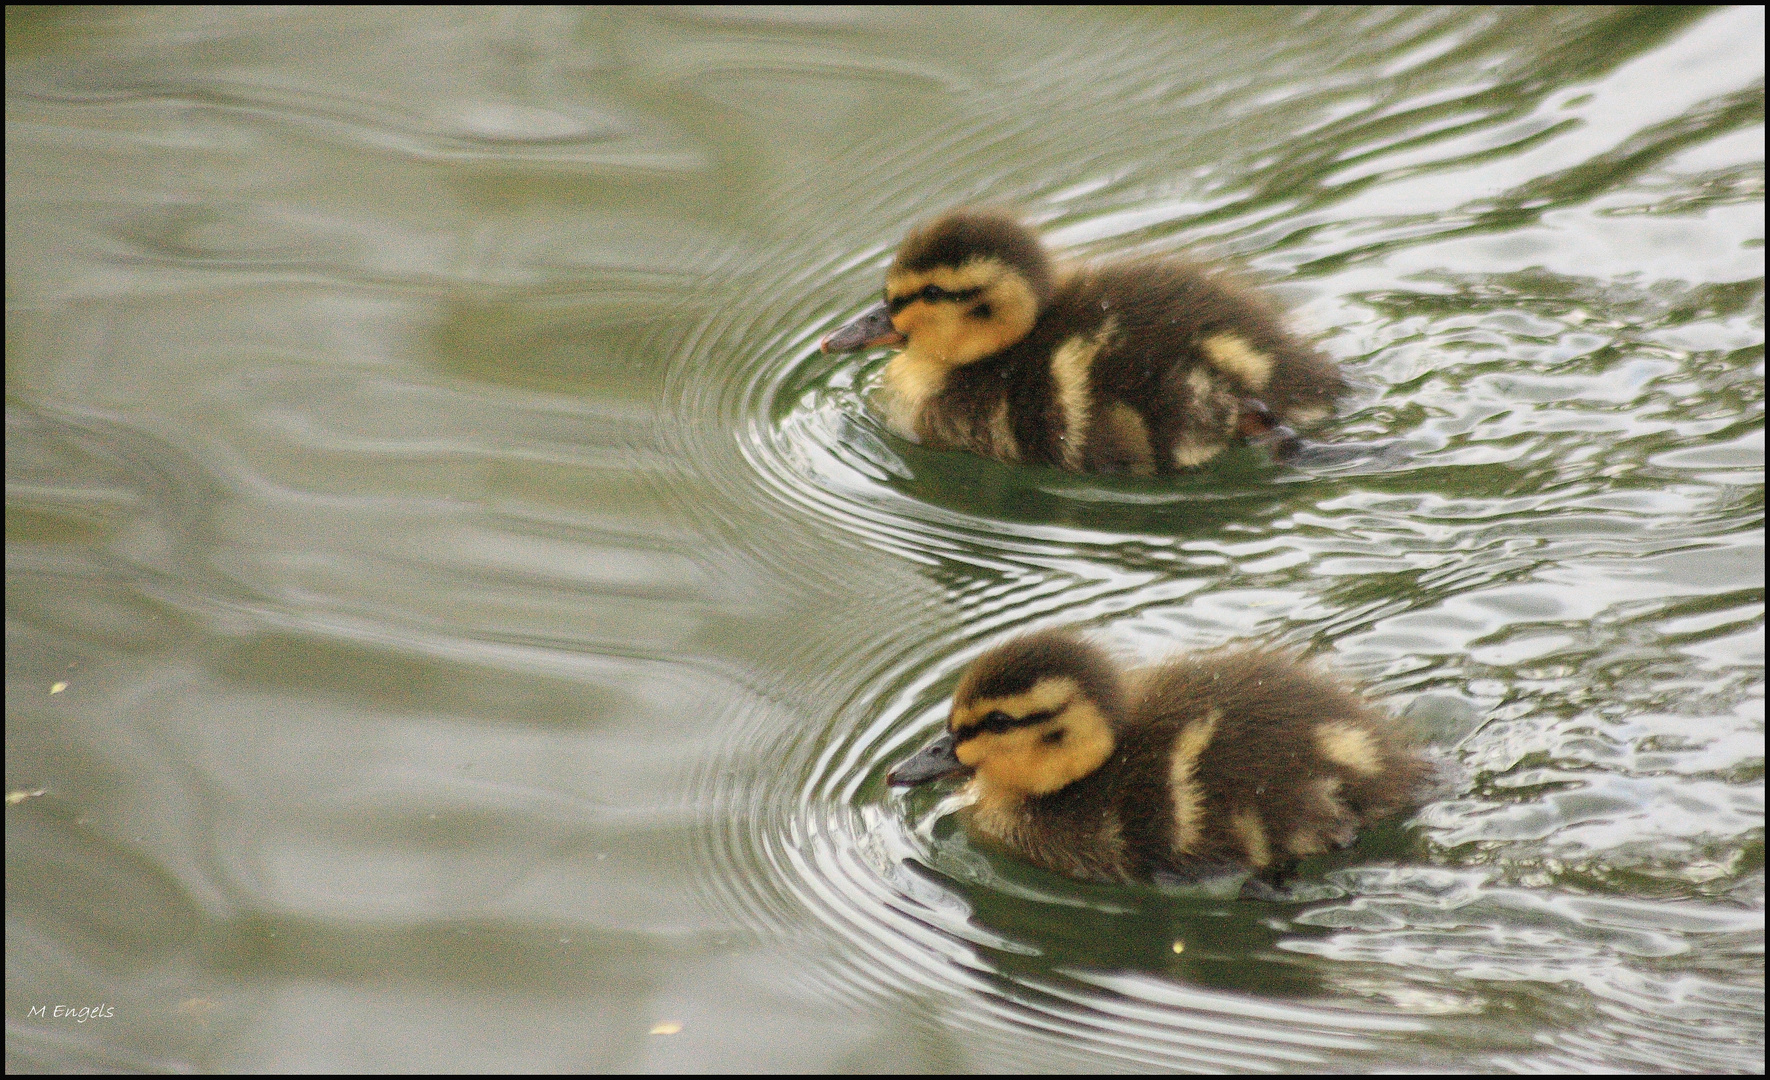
x,y
1138,367
1232,759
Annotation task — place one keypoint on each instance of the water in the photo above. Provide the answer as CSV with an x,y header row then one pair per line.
x,y
483,621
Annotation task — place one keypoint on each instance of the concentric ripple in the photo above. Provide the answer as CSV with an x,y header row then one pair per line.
x,y
1542,520
457,618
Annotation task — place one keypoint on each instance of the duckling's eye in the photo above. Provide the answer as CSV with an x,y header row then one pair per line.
x,y
1052,738
933,293
996,721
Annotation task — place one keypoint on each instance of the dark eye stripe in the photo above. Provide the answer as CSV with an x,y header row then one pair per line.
x,y
934,294
997,722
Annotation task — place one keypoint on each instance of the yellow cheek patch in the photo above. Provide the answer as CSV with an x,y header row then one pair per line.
x,y
1349,746
1238,360
1017,763
945,332
1189,807
912,320
1011,763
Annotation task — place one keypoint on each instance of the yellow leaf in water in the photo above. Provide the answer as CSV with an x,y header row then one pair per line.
x,y
58,687
668,1027
1179,946
13,798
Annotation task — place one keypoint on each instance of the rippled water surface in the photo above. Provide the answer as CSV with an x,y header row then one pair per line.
x,y
455,619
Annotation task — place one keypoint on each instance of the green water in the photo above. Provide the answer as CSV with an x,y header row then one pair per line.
x,y
456,620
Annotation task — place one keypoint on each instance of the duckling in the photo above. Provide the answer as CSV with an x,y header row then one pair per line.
x,y
1140,367
1202,765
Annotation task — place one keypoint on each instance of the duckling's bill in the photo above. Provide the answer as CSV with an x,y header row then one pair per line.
x,y
870,328
936,761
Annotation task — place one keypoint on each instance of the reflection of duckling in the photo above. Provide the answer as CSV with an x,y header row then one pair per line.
x,y
1198,766
1138,367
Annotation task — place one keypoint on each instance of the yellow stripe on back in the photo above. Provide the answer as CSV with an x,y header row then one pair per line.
x,y
1189,806
1247,829
1001,433
1070,365
1352,747
1234,357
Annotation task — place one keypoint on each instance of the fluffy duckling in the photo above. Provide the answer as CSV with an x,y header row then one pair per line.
x,y
1139,367
1204,764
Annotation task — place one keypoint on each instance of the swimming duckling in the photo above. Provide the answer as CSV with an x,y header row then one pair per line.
x,y
1201,765
1139,367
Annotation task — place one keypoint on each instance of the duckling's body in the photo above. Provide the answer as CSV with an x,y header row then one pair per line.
x,y
1200,765
1140,367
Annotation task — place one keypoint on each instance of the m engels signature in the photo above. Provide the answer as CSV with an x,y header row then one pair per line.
x,y
78,1013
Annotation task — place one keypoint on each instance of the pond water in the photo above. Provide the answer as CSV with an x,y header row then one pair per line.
x,y
456,619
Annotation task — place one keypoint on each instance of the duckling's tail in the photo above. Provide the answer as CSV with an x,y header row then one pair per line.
x,y
1261,427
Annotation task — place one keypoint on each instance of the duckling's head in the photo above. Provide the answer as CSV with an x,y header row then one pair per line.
x,y
964,286
1029,717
